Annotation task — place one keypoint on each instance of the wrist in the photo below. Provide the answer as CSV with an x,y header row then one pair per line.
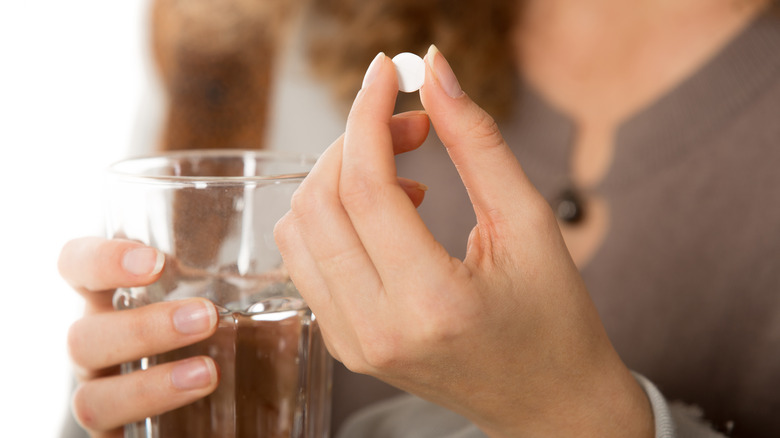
x,y
606,403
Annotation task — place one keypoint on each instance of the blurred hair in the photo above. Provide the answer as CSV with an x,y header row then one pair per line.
x,y
215,62
343,36
216,58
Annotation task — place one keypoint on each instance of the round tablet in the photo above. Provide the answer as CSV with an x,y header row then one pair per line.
x,y
410,70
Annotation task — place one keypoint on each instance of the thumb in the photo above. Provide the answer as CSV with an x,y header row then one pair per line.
x,y
495,181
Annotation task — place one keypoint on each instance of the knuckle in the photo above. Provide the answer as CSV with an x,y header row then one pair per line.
x,y
484,127
307,201
380,351
74,261
439,329
75,343
540,215
82,409
534,213
354,364
442,322
344,259
358,192
63,258
282,230
377,357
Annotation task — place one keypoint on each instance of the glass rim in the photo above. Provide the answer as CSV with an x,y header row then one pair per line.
x,y
132,169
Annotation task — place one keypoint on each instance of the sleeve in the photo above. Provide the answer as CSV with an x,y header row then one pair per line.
x,y
410,417
675,420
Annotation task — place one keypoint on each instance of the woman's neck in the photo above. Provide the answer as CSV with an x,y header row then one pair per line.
x,y
617,55
600,61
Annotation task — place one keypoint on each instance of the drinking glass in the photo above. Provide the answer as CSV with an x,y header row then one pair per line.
x,y
212,213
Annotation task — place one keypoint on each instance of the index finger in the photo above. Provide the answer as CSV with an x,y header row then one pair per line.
x,y
381,213
93,264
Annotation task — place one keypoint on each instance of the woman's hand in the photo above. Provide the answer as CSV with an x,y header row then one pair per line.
x,y
507,337
102,339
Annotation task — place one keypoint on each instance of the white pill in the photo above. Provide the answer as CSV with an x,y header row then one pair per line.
x,y
410,70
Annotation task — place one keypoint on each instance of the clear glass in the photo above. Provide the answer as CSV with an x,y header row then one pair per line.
x,y
212,214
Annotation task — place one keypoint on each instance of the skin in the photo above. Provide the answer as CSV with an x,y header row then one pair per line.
x,y
600,62
102,339
516,303
534,341
413,317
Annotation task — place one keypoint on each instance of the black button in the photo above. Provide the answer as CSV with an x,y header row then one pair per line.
x,y
568,207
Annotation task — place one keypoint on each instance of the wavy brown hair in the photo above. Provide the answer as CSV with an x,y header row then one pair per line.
x,y
216,58
343,36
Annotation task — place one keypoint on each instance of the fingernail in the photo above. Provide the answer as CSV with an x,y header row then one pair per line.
x,y
195,317
443,72
373,69
194,373
143,261
411,184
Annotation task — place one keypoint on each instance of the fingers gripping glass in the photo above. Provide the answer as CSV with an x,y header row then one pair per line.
x,y
212,213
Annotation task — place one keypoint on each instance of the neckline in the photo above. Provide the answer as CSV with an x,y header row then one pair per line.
x,y
673,124
680,120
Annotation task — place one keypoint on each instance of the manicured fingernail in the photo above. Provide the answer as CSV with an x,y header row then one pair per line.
x,y
195,317
194,373
373,69
413,185
443,72
143,261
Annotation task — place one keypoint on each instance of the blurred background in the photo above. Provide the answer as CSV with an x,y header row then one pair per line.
x,y
73,77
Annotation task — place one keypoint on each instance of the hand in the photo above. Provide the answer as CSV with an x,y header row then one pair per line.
x,y
102,339
507,337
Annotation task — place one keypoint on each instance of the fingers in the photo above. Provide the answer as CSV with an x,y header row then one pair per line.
x,y
378,208
108,403
106,339
316,205
489,169
368,124
414,190
409,130
92,265
318,239
306,275
101,340
329,238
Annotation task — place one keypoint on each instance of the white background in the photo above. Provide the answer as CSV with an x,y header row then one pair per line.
x,y
72,78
